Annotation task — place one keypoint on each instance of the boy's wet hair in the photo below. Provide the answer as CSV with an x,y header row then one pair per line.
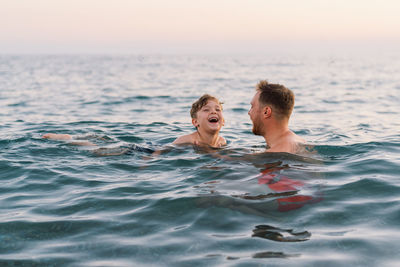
x,y
277,95
201,102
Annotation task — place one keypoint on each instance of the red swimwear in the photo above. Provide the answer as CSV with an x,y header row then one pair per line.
x,y
280,184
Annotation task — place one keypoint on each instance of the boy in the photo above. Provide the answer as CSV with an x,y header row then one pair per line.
x,y
206,116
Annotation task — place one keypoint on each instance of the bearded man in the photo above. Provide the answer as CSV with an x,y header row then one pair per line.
x,y
270,112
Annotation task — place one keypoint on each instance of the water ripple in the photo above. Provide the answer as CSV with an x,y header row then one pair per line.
x,y
63,205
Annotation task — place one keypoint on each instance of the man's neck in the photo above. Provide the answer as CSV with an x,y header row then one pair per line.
x,y
276,133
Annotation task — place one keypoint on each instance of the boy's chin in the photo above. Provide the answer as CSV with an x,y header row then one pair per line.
x,y
214,127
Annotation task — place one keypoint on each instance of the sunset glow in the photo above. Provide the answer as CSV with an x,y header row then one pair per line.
x,y
156,26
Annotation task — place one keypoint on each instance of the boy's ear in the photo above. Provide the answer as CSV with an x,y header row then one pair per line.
x,y
195,122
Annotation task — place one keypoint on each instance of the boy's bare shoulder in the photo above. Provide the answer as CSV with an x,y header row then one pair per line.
x,y
185,139
192,139
221,141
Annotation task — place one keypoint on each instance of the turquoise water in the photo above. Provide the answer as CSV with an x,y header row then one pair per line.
x,y
61,205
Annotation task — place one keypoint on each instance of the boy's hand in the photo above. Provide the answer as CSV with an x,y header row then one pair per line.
x,y
57,136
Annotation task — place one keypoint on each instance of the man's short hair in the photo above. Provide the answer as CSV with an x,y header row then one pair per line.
x,y
278,96
201,102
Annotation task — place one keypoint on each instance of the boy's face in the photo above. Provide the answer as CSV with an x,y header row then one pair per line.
x,y
209,117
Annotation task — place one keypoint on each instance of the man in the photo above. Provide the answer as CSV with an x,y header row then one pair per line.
x,y
270,111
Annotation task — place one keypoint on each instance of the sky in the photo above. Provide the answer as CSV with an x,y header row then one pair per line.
x,y
188,26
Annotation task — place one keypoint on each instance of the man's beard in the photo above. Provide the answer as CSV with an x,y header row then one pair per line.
x,y
258,127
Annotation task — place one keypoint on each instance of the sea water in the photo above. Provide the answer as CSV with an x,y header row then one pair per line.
x,y
64,205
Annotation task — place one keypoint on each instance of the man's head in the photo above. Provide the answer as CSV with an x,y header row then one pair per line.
x,y
273,101
207,110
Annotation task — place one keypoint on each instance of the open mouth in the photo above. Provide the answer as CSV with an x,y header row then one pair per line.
x,y
213,119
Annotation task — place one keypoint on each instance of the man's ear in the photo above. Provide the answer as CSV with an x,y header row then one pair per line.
x,y
267,112
195,122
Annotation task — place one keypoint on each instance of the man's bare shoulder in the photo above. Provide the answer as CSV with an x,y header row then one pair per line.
x,y
291,143
295,139
306,149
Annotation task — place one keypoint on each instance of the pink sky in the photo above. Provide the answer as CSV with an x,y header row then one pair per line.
x,y
130,26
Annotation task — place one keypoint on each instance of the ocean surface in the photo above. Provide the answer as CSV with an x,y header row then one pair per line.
x,y
64,205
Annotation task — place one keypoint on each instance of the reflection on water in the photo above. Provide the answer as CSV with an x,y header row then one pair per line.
x,y
259,255
270,254
280,235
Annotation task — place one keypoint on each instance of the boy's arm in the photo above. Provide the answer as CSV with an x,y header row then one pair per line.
x,y
67,137
54,136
